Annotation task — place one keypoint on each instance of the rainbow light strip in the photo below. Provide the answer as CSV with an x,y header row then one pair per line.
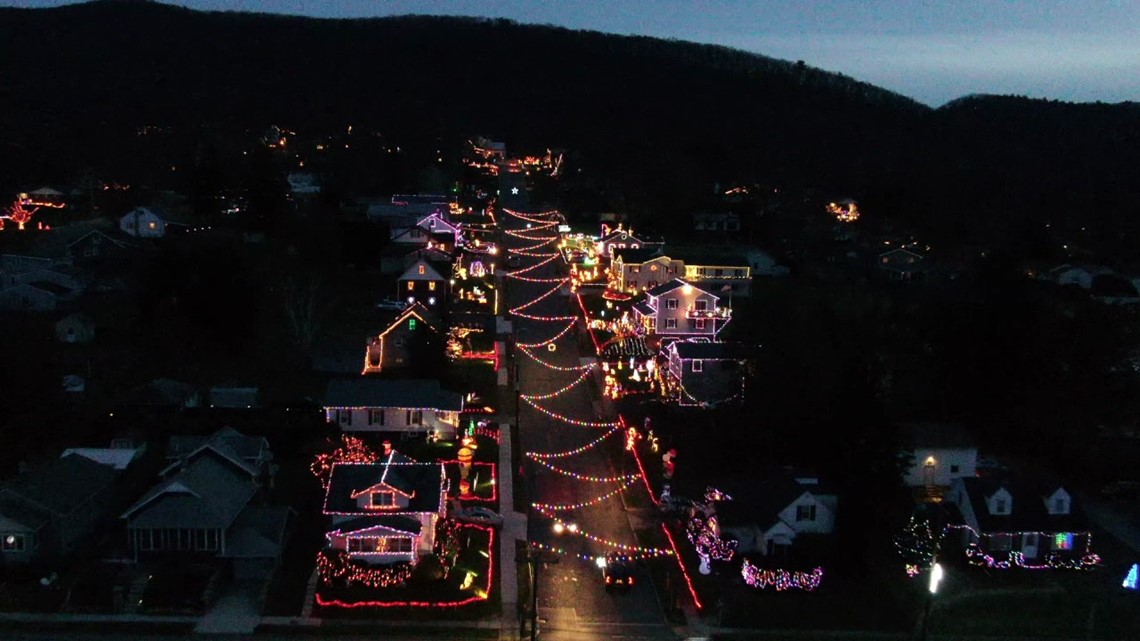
x,y
577,450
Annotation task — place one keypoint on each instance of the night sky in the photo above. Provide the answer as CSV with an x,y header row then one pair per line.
x,y
1084,50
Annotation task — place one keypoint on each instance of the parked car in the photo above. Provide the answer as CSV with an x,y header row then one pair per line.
x,y
481,515
392,304
618,571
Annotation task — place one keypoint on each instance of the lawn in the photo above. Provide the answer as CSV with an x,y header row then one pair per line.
x,y
421,599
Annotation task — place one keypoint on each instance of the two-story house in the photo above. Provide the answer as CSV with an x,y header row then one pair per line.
x,y
678,308
142,222
422,283
392,348
385,512
903,265
706,373
635,270
374,405
621,238
1007,522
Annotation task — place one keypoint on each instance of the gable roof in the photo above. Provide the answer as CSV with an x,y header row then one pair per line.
x,y
631,256
117,458
234,397
903,250
62,485
676,283
413,272
407,394
644,308
257,533
421,482
761,504
230,444
1027,511
418,311
208,493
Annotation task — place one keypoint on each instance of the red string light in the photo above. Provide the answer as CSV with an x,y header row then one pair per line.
x,y
577,450
557,392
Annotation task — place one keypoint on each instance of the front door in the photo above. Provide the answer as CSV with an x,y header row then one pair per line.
x,y
1029,543
928,473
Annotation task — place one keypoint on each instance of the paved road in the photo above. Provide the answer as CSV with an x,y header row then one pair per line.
x,y
572,598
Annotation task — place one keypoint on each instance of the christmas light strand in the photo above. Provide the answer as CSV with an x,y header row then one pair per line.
x,y
565,527
566,507
524,270
536,218
557,392
529,248
578,450
559,368
567,419
552,339
780,579
541,297
593,560
620,478
535,254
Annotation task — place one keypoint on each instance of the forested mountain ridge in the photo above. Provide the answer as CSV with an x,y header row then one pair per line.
x,y
655,122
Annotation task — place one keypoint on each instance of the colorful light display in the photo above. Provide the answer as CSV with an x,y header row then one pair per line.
x,y
350,450
538,397
578,450
566,507
684,570
780,579
334,565
552,339
567,419
619,478
559,368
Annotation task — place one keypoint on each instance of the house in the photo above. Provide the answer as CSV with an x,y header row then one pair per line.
x,y
765,518
98,249
142,222
303,183
38,296
375,405
75,328
1004,521
942,452
422,283
678,308
723,221
1080,275
396,258
720,273
251,452
706,373
119,456
206,506
444,234
385,512
50,511
391,349
902,265
635,270
620,238
763,264
164,392
403,213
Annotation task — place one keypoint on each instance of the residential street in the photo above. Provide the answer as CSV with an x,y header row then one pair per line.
x,y
573,601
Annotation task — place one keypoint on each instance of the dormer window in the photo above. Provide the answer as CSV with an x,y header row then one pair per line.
x,y
1060,506
1000,506
422,270
382,500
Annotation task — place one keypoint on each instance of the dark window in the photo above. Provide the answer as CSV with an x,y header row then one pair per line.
x,y
670,303
805,512
375,417
383,499
954,469
13,543
698,365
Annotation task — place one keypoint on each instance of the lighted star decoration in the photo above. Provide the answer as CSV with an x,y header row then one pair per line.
x,y
515,191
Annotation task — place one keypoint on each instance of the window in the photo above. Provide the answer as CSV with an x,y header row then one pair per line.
x,y
422,270
383,499
670,323
702,305
635,269
411,324
411,285
740,273
698,365
719,272
955,468
1063,541
13,543
344,417
1000,507
431,286
1000,543
212,539
805,512
152,225
700,323
414,417
142,539
1059,506
399,342
375,417
371,544
670,303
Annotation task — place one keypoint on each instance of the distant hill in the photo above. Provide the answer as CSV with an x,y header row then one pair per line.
x,y
658,120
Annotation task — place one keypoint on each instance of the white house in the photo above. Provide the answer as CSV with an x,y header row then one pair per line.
x,y
385,512
375,405
767,518
303,183
678,308
942,452
141,222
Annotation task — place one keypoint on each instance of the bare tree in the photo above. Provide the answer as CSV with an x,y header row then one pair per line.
x,y
301,297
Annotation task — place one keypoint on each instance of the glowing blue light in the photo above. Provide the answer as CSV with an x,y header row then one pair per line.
x,y
1130,580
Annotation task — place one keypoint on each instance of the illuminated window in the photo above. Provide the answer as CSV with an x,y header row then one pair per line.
x,y
411,285
422,270
1063,541
153,225
13,543
412,324
431,286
